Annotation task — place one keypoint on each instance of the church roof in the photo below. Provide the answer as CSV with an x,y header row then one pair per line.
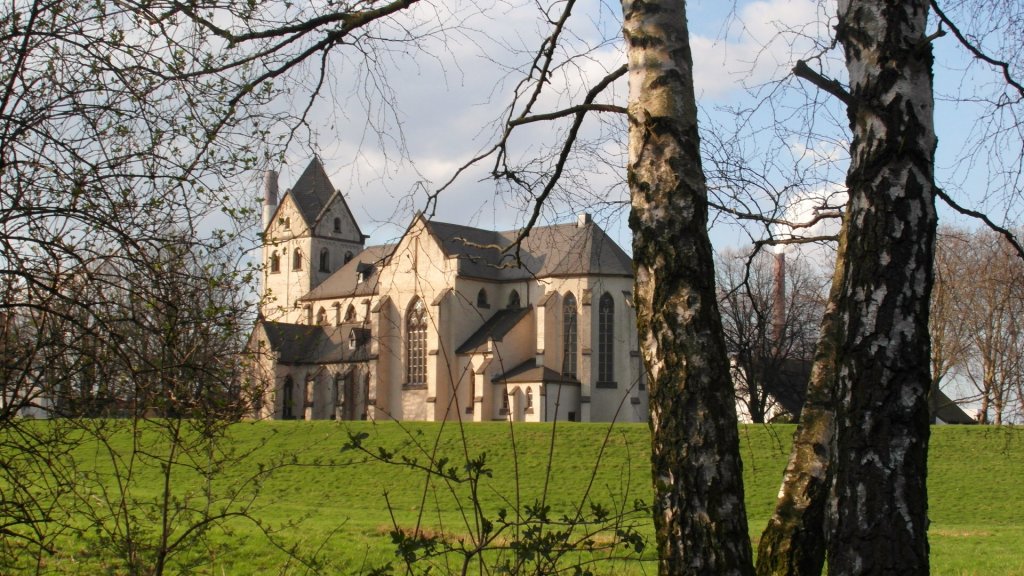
x,y
345,282
301,344
313,193
529,372
495,328
562,250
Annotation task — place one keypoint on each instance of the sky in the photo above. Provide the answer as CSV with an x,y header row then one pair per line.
x,y
446,97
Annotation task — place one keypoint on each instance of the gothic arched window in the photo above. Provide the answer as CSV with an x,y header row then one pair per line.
x,y
569,347
513,299
606,339
325,260
416,344
350,314
321,316
297,259
287,399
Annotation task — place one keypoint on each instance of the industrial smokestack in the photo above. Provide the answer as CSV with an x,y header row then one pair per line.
x,y
269,197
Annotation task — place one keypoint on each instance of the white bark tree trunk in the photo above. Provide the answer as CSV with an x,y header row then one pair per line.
x,y
699,512
883,356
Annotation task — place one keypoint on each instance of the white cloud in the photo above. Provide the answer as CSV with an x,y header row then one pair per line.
x,y
763,43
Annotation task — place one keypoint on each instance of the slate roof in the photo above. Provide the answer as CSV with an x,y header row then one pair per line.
x,y
345,283
300,344
495,328
313,193
789,387
948,411
560,250
529,372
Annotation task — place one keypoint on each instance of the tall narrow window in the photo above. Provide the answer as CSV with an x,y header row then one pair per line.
x,y
569,348
337,397
337,224
287,399
529,398
513,299
606,339
350,313
416,344
325,260
321,316
275,262
297,259
481,299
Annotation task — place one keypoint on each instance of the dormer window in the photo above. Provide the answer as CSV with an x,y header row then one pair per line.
x,y
363,272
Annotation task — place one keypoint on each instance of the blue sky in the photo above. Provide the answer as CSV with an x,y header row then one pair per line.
x,y
448,96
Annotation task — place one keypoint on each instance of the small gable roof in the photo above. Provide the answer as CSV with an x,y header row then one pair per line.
x,y
300,344
495,328
528,372
344,283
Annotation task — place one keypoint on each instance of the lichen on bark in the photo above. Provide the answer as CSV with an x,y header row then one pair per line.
x,y
700,517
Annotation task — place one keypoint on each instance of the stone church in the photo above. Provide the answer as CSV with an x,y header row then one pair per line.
x,y
444,324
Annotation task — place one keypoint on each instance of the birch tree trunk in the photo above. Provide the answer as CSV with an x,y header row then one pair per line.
x,y
699,512
883,355
793,543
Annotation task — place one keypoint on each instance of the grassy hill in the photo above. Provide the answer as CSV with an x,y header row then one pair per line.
x,y
335,507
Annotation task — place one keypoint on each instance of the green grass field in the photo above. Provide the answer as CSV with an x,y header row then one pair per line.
x,y
337,507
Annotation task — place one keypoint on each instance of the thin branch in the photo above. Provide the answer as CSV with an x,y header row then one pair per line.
x,y
1010,237
568,112
1003,66
830,85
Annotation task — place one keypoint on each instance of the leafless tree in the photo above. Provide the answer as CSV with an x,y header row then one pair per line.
x,y
771,306
977,317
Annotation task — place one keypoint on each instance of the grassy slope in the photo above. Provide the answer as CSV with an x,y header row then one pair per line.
x,y
337,499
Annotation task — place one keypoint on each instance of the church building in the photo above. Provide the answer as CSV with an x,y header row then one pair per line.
x,y
451,322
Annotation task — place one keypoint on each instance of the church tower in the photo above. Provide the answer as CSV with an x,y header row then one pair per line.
x,y
306,237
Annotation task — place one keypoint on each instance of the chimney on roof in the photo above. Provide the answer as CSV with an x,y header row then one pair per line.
x,y
582,219
779,297
269,196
